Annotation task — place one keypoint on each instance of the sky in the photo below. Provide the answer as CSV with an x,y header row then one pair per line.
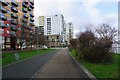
x,y
80,12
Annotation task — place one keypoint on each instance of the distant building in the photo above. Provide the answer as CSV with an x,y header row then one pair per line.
x,y
69,31
53,41
39,22
116,47
53,25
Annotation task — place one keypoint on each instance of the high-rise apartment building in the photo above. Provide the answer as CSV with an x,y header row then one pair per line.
x,y
16,19
53,26
39,22
69,31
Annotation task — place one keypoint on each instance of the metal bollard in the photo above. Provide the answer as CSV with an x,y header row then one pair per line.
x,y
16,56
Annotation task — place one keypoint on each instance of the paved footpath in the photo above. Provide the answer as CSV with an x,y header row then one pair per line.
x,y
60,65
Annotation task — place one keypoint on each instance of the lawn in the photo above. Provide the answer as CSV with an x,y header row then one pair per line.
x,y
101,70
8,58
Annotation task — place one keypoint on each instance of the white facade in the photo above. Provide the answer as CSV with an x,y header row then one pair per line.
x,y
116,48
39,22
54,25
69,31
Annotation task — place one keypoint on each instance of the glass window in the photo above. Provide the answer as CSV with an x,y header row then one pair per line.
x,y
8,11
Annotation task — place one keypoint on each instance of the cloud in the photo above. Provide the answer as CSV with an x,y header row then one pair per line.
x,y
111,18
80,12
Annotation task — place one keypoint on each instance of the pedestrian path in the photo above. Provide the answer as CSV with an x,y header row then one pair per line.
x,y
60,65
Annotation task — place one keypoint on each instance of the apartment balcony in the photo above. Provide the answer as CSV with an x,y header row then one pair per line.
x,y
14,3
31,15
25,16
31,6
4,3
24,10
13,21
25,26
24,5
24,20
32,24
25,2
32,2
13,33
13,28
3,10
29,28
29,9
31,19
13,15
14,9
2,25
3,18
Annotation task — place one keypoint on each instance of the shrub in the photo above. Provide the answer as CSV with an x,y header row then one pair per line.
x,y
95,49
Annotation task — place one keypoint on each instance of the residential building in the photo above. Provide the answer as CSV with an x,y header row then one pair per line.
x,y
39,22
53,41
69,31
53,26
16,19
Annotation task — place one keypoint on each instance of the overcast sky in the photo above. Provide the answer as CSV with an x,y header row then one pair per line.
x,y
80,12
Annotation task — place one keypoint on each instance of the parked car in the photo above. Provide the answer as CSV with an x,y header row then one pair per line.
x,y
44,47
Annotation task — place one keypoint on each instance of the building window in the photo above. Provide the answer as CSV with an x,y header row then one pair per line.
x,y
48,19
57,37
8,11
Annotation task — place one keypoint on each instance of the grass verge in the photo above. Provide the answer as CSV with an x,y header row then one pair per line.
x,y
8,58
101,70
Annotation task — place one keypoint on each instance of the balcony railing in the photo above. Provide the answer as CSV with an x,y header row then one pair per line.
x,y
14,15
3,10
31,19
13,33
3,17
13,21
25,16
25,26
4,3
32,6
2,25
24,4
14,9
32,24
24,10
13,28
29,9
24,20
14,3
32,2
31,15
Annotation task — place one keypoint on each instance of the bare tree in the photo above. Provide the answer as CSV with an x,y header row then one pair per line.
x,y
42,39
106,31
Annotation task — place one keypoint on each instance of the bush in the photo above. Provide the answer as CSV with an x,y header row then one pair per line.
x,y
94,49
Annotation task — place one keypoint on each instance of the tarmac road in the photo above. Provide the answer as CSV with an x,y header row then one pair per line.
x,y
26,68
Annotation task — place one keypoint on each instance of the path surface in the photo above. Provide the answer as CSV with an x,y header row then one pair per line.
x,y
60,65
27,68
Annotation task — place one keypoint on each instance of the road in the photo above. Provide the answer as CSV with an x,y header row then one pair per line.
x,y
27,68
